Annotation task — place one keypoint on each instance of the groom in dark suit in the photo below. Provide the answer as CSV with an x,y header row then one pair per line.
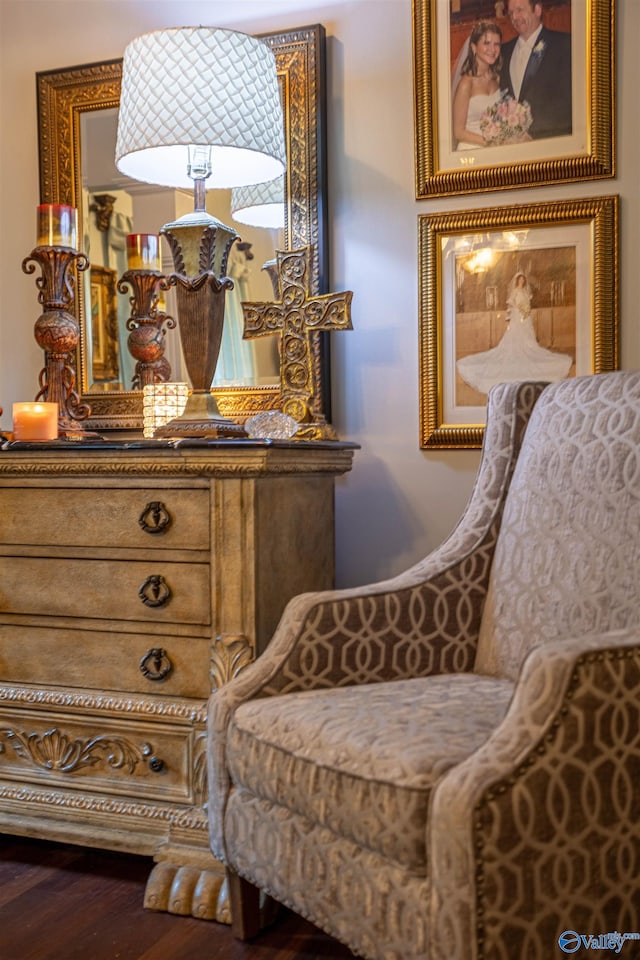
x,y
536,67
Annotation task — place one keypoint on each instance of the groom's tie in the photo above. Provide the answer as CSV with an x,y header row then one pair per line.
x,y
518,65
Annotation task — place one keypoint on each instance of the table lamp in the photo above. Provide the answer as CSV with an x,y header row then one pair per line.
x,y
200,107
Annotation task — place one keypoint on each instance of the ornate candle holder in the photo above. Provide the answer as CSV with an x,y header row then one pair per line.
x,y
147,328
57,332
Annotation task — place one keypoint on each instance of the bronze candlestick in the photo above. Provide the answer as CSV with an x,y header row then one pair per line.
x,y
57,332
146,340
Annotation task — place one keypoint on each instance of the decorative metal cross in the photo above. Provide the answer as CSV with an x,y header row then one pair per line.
x,y
296,316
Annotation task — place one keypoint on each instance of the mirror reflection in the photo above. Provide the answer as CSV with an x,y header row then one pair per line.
x,y
114,206
77,123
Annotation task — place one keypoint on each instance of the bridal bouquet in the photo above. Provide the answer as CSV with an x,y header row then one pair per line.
x,y
506,120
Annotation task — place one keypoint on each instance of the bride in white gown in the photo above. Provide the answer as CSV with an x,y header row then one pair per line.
x,y
478,106
518,356
476,84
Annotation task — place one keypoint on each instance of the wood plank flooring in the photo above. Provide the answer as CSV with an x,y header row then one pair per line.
x,y
60,902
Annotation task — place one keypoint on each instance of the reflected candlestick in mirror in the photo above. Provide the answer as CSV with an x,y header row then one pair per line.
x,y
143,251
146,340
57,225
35,421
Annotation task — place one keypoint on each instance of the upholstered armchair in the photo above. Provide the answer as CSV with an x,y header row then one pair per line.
x,y
446,765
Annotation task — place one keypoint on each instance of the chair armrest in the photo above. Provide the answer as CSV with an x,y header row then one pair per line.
x,y
488,816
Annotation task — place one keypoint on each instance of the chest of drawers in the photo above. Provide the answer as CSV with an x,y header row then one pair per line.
x,y
135,580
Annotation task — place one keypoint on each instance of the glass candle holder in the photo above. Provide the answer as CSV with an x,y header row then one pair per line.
x,y
162,402
143,251
35,421
57,225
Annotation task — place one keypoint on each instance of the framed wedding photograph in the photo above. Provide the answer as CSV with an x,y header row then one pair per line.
x,y
512,293
512,93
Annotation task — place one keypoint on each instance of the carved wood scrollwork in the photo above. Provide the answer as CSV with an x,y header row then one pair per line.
x,y
54,750
229,655
200,769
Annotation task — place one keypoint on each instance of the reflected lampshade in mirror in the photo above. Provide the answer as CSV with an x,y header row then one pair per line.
x,y
260,204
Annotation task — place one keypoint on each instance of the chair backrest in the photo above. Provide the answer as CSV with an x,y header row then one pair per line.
x,y
567,559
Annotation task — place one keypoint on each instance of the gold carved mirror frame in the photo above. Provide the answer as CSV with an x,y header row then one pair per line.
x,y
65,95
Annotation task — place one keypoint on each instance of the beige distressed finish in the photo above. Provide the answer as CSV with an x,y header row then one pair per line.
x,y
92,750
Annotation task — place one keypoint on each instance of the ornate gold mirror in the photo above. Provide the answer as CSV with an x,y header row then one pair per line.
x,y
77,119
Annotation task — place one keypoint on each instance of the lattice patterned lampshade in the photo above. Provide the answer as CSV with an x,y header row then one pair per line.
x,y
259,204
200,86
162,402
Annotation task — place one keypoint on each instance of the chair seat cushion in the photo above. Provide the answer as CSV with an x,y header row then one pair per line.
x,y
363,760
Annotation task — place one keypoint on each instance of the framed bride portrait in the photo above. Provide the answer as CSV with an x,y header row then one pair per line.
x,y
512,93
511,293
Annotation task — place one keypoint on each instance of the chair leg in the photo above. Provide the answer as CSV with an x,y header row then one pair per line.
x,y
244,898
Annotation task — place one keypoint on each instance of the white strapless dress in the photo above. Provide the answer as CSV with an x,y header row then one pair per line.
x,y
477,107
518,356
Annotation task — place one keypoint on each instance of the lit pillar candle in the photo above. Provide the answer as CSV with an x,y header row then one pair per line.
x,y
35,421
143,251
57,225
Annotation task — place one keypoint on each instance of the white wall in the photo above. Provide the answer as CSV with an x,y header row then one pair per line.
x,y
399,501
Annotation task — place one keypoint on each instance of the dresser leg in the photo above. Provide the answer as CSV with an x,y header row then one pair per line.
x,y
195,887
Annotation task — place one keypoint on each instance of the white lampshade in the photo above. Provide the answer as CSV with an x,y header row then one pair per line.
x,y
259,204
200,86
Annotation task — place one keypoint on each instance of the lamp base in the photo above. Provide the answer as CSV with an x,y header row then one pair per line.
x,y
201,418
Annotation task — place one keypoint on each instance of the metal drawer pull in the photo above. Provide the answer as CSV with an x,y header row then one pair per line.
x,y
156,764
155,592
155,518
156,665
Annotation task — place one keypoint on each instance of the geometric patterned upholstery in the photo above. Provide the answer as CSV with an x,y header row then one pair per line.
x,y
446,764
538,832
567,559
362,761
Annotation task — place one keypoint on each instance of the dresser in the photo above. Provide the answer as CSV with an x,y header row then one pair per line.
x,y
135,579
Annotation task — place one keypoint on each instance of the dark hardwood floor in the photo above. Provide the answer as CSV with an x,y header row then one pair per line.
x,y
60,902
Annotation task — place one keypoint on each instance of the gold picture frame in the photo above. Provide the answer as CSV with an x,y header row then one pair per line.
x,y
468,262
588,153
103,329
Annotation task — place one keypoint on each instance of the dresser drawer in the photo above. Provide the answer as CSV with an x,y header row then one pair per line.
x,y
97,754
105,660
106,589
105,517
